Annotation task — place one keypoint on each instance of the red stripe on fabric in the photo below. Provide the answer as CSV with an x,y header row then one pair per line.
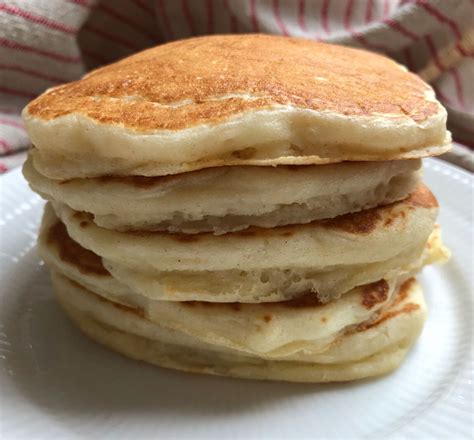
x,y
210,16
234,25
401,29
301,16
37,19
386,9
445,20
127,21
6,147
144,6
166,21
324,16
13,92
10,122
442,18
16,46
461,50
368,11
33,73
253,16
409,59
434,54
113,38
458,85
354,34
188,16
279,21
348,15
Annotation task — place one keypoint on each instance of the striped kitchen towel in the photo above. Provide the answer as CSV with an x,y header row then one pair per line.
x,y
47,42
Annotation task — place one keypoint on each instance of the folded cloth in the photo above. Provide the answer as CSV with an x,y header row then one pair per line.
x,y
48,42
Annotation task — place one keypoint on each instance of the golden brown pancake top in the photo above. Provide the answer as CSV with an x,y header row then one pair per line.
x,y
203,80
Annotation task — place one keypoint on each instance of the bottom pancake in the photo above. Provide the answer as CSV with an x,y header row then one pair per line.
x,y
369,349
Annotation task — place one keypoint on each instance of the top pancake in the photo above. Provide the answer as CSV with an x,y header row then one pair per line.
x,y
234,100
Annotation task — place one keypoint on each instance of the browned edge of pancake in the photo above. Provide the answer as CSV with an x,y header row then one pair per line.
x,y
389,313
88,263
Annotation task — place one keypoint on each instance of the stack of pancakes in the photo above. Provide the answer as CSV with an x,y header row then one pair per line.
x,y
246,205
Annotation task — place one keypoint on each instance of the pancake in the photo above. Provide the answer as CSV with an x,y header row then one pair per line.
x,y
328,257
368,349
269,330
363,237
83,266
227,199
242,205
234,100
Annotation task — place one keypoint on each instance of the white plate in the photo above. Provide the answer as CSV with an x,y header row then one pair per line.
x,y
55,383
